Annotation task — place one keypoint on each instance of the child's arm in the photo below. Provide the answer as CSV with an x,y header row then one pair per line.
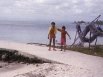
x,y
48,36
68,35
59,29
49,32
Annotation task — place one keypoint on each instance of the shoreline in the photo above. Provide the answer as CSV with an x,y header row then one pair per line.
x,y
94,50
71,63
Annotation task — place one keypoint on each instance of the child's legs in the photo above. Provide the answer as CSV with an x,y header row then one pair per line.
x,y
61,47
50,41
54,43
63,43
64,46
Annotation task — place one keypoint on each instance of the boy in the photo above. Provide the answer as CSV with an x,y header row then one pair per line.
x,y
52,36
63,37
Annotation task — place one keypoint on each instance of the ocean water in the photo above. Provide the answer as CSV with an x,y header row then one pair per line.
x,y
34,32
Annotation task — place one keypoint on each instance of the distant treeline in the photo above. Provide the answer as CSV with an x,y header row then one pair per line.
x,y
100,22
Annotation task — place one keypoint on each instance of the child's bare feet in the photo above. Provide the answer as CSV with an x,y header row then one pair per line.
x,y
54,49
49,49
61,50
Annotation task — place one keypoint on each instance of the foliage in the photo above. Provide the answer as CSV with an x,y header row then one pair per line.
x,y
13,56
100,22
94,50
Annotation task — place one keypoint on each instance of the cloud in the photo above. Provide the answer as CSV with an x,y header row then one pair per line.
x,y
50,9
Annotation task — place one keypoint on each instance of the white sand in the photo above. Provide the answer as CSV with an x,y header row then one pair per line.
x,y
81,65
7,67
56,70
45,70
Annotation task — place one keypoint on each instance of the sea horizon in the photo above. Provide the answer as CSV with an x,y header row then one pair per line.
x,y
34,31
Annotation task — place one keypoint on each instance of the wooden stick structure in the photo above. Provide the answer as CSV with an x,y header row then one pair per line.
x,y
75,39
77,36
89,40
96,41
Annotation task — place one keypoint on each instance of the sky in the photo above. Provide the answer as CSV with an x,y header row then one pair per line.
x,y
62,10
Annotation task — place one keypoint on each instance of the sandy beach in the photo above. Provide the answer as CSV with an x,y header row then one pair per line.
x,y
51,38
64,64
44,70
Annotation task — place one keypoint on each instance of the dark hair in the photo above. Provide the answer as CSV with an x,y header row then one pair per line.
x,y
52,23
63,27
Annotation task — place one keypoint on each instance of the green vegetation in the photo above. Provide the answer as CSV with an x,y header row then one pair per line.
x,y
96,51
81,22
14,56
100,22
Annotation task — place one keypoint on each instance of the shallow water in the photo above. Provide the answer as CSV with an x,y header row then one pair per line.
x,y
35,32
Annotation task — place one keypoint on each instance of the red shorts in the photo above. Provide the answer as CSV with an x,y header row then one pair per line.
x,y
63,41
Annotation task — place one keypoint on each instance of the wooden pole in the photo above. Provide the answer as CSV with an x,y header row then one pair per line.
x,y
95,19
89,41
96,42
97,37
75,39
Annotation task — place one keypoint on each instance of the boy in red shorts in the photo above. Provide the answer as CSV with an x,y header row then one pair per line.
x,y
63,37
